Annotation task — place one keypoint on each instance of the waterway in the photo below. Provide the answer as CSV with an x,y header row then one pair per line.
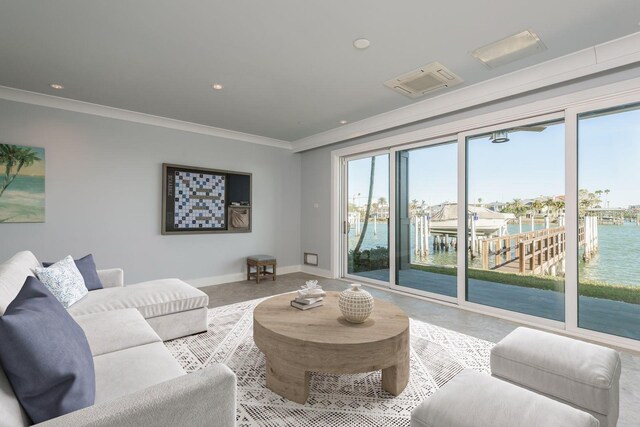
x,y
616,261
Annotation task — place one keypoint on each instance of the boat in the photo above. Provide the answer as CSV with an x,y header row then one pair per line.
x,y
487,222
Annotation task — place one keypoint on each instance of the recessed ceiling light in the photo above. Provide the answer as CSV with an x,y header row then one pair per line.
x,y
56,86
343,122
509,49
361,43
216,86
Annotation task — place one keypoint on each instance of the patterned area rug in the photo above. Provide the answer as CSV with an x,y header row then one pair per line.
x,y
437,355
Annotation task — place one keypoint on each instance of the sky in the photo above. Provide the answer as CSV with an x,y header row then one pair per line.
x,y
530,165
609,156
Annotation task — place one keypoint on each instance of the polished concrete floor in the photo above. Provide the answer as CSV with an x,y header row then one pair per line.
x,y
597,314
474,324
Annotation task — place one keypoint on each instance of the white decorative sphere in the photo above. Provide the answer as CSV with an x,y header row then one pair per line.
x,y
355,304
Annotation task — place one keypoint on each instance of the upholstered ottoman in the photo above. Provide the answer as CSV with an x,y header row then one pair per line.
x,y
583,375
472,399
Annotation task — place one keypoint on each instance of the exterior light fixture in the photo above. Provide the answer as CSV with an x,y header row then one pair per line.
x,y
499,137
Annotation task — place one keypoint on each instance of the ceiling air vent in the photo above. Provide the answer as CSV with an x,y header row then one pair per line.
x,y
428,78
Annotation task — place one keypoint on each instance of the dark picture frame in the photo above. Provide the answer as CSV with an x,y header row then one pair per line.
x,y
198,200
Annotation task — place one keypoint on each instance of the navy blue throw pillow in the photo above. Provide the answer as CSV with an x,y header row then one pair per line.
x,y
87,268
45,355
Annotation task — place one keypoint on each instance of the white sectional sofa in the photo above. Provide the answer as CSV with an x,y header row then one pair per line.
x,y
138,382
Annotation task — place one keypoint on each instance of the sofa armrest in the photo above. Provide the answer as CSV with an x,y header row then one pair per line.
x,y
112,277
204,398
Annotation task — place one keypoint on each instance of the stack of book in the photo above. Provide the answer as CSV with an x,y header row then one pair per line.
x,y
309,296
306,303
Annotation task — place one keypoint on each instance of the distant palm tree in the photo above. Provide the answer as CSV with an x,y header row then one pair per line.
x,y
368,211
516,207
413,207
586,201
13,156
550,204
606,193
536,205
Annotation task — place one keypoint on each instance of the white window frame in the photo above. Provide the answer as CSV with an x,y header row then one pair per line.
x,y
571,303
452,139
462,213
602,97
343,217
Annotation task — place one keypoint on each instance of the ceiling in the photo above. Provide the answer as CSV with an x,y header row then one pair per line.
x,y
288,67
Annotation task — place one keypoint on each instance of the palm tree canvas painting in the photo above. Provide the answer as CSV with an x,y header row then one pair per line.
x,y
21,183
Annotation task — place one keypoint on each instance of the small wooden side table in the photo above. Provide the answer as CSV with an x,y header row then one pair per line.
x,y
260,263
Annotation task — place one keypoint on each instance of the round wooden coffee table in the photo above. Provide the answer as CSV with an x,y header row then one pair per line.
x,y
296,342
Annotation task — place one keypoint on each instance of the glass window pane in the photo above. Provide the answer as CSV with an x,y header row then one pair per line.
x,y
515,224
427,223
609,221
368,217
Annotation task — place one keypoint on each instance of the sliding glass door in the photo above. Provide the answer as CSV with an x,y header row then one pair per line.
x,y
426,219
531,220
609,221
366,222
515,219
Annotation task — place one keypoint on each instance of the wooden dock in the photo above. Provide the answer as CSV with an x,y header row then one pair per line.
x,y
533,252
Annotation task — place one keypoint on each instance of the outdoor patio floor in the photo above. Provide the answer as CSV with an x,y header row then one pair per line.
x,y
613,317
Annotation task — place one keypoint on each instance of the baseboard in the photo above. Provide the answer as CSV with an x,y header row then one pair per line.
x,y
310,269
237,277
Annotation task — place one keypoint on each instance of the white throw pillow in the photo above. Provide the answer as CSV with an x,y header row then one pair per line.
x,y
64,281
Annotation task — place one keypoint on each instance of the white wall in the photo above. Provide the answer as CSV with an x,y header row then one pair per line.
x,y
316,164
103,195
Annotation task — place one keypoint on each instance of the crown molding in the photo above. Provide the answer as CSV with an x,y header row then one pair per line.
x,y
27,97
595,59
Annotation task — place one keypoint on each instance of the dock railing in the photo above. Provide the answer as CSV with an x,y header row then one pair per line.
x,y
532,252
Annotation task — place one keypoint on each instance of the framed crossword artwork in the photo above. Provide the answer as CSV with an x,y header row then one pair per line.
x,y
198,200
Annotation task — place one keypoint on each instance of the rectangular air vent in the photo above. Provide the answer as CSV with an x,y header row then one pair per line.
x,y
417,83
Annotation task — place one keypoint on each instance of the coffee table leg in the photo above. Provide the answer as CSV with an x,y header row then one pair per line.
x,y
289,382
395,378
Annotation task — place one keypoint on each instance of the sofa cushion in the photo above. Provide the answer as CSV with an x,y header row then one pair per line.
x,y
45,355
87,267
583,374
152,299
64,281
12,412
13,273
126,371
110,331
472,399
